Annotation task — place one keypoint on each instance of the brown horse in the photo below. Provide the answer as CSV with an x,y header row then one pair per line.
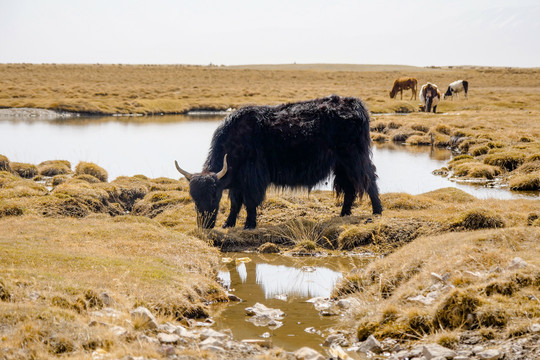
x,y
404,83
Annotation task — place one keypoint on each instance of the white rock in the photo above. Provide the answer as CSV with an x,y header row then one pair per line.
x,y
370,344
476,349
145,317
490,354
212,348
535,328
211,333
431,351
307,353
211,341
425,299
167,328
149,339
259,309
265,316
165,338
118,330
517,263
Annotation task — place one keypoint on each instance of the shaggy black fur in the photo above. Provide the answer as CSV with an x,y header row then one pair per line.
x,y
290,145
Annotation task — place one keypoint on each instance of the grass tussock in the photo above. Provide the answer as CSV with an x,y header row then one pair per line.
x,y
4,163
475,219
526,182
27,171
86,168
54,167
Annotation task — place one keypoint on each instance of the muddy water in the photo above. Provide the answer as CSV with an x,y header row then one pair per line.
x,y
285,283
149,146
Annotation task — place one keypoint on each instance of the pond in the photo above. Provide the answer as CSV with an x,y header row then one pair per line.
x,y
149,146
285,283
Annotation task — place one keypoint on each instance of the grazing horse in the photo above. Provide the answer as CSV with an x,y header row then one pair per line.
x,y
430,97
457,87
404,83
295,145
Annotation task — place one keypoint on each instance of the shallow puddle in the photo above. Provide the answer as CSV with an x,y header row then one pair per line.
x,y
285,283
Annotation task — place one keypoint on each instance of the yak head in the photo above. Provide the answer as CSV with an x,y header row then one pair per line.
x,y
392,93
206,189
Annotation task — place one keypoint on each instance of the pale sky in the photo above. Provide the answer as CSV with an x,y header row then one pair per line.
x,y
232,32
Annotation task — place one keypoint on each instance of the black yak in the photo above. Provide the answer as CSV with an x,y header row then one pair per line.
x,y
290,146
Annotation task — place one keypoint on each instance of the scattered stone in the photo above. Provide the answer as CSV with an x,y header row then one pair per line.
x,y
118,330
106,299
476,349
320,303
336,352
427,299
211,341
34,295
343,304
259,342
265,335
307,353
264,316
165,338
107,312
535,328
336,339
431,351
490,354
517,263
282,297
144,317
310,330
185,333
461,357
167,328
149,339
210,333
212,348
168,350
233,297
370,344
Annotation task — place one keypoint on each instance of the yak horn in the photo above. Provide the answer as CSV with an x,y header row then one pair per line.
x,y
183,172
224,170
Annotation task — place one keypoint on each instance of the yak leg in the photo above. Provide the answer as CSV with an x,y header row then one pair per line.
x,y
236,205
342,183
373,192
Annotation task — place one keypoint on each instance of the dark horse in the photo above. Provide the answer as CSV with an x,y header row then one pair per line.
x,y
290,146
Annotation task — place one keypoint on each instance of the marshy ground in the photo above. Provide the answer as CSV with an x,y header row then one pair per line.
x,y
75,244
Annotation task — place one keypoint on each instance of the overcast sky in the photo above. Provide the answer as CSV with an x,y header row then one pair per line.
x,y
230,32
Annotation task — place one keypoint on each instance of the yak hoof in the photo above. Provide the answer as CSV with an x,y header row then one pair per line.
x,y
227,225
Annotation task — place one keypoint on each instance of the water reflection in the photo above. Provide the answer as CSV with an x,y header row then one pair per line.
x,y
295,282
